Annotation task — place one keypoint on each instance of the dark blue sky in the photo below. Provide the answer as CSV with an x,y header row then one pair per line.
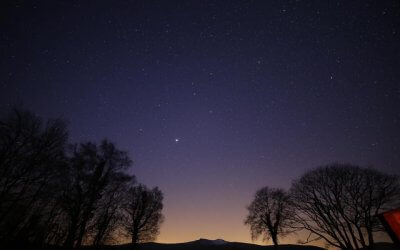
x,y
213,99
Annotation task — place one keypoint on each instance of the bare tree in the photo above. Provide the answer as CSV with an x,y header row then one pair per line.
x,y
108,215
143,213
269,214
339,203
92,168
52,196
31,157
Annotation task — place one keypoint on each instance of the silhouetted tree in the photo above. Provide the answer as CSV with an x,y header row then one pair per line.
x,y
339,203
92,168
31,157
143,213
109,212
53,196
270,214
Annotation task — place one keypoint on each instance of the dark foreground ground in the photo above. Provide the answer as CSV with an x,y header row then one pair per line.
x,y
201,244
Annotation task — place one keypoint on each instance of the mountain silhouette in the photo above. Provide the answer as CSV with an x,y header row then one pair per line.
x,y
205,244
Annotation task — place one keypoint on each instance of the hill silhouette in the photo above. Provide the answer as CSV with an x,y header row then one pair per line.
x,y
205,244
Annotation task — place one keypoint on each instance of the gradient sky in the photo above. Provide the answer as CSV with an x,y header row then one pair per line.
x,y
212,99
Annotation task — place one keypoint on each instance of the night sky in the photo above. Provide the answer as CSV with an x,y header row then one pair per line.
x,y
212,99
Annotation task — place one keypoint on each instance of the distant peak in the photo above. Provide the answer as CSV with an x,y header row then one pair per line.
x,y
219,241
212,242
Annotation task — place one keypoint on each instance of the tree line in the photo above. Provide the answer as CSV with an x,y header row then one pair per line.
x,y
55,193
336,203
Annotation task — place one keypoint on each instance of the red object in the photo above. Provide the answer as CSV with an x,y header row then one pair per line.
x,y
392,221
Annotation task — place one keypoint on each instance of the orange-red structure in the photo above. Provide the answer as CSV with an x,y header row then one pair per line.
x,y
391,220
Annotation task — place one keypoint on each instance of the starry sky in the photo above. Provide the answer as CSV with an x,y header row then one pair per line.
x,y
212,99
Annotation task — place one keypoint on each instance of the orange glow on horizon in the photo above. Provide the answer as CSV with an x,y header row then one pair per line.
x,y
214,224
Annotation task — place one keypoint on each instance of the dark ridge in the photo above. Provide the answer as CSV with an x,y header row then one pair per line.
x,y
201,244
204,244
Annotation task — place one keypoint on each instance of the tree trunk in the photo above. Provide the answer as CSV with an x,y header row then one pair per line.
x,y
275,240
370,240
69,241
135,245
